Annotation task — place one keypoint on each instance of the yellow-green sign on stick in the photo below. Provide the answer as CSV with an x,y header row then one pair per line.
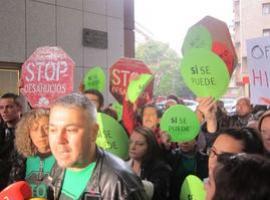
x,y
192,189
205,73
181,123
137,86
95,79
197,37
112,136
119,110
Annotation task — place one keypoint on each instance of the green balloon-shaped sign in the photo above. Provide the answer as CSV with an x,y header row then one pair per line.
x,y
192,189
205,73
197,37
119,110
181,123
112,136
137,86
95,79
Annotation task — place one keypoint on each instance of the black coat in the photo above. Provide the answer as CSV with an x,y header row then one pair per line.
x,y
6,149
159,173
182,166
112,179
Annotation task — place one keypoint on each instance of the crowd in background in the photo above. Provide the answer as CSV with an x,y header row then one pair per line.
x,y
230,154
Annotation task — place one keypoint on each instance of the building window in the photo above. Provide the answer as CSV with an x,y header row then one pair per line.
x,y
266,8
9,77
266,32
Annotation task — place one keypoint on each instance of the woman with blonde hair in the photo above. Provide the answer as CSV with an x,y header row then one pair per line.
x,y
33,160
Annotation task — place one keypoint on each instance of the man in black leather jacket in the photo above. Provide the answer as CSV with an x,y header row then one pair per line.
x,y
10,110
84,171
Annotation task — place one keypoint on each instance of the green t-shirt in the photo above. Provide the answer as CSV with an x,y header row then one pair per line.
x,y
37,168
75,182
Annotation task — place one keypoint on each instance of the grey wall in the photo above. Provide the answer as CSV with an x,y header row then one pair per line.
x,y
28,24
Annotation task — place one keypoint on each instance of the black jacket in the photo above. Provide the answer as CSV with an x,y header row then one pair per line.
x,y
111,180
184,165
159,173
6,149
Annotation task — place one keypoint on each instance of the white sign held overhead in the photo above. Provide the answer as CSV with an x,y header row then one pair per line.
x,y
258,60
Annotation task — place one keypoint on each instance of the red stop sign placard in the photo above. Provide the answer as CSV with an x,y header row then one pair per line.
x,y
120,73
46,75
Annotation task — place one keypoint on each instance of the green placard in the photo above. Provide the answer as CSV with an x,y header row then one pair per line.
x,y
205,73
137,86
112,136
181,123
119,109
192,189
197,37
95,79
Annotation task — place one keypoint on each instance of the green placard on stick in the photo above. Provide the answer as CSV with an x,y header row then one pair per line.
x,y
136,87
205,73
192,189
112,136
119,110
181,123
95,79
197,37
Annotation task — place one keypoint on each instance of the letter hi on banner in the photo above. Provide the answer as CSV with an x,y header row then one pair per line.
x,y
46,75
258,60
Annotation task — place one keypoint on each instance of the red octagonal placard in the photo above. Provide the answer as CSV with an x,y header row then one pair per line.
x,y
120,73
46,75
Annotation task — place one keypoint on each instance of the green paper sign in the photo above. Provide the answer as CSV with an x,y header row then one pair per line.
x,y
192,189
119,109
112,136
95,79
181,123
205,73
197,37
136,87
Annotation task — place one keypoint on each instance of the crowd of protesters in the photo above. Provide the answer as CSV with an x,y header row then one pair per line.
x,y
53,150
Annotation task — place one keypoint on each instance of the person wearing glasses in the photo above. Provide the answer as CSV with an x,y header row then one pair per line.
x,y
234,141
230,182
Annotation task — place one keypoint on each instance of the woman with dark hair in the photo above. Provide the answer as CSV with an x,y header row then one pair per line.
x,y
241,176
145,160
245,140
